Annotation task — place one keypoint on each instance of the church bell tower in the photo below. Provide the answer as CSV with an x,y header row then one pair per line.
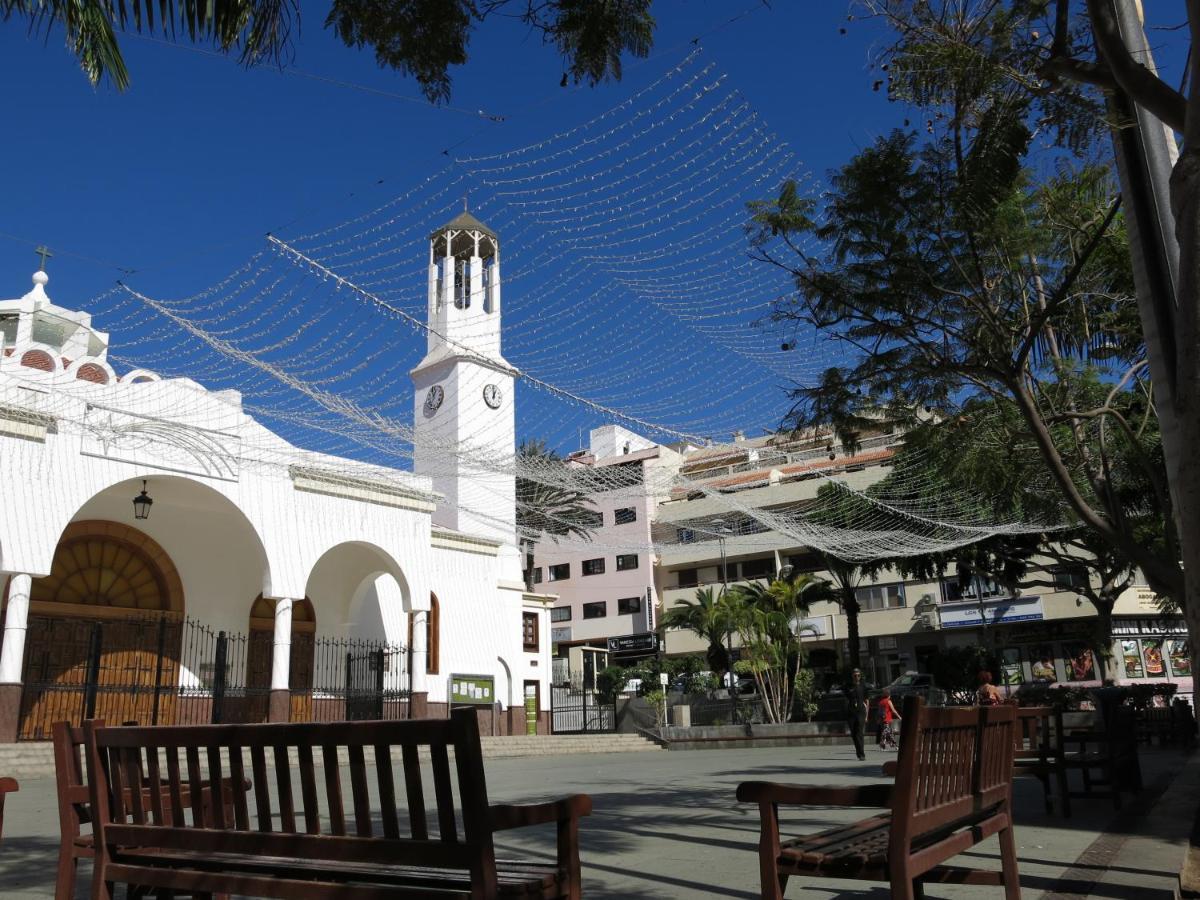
x,y
463,410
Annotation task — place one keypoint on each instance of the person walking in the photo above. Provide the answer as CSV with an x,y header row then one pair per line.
x,y
856,711
887,715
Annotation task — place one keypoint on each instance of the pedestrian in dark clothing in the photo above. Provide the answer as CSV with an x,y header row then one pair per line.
x,y
856,711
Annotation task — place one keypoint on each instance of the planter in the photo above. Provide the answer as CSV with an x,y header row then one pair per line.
x,y
720,737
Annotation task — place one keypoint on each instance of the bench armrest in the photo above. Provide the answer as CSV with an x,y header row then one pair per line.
x,y
877,795
512,815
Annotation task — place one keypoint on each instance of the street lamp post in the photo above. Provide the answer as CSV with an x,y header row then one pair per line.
x,y
722,530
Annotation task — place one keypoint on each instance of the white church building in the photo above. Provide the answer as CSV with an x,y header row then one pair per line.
x,y
166,558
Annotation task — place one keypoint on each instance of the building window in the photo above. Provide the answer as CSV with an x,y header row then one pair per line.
x,y
758,568
529,631
537,575
626,561
561,572
560,614
975,589
624,516
627,605
590,518
805,562
880,596
685,535
593,566
597,610
1070,578
687,578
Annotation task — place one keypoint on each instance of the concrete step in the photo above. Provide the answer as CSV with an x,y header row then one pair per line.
x,y
35,759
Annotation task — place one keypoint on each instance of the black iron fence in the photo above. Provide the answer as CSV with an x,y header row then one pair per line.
x,y
580,712
162,669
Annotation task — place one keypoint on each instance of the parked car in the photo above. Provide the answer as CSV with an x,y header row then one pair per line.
x,y
919,684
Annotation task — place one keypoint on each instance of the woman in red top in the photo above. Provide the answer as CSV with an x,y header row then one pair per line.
x,y
887,709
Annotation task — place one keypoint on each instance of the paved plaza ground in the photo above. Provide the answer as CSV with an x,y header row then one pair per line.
x,y
667,825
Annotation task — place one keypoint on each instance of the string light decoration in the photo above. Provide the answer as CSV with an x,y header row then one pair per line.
x,y
628,299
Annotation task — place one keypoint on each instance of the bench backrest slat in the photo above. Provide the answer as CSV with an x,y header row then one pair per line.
x,y
953,764
333,790
205,790
262,788
416,793
358,790
283,777
387,791
308,790
443,793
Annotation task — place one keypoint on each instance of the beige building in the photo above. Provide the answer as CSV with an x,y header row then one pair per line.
x,y
1042,635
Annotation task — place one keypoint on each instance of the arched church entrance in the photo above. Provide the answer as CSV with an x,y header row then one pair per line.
x,y
104,631
258,657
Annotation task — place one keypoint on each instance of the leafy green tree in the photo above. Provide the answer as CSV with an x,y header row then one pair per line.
x,y
768,620
708,618
1068,61
544,506
950,276
422,39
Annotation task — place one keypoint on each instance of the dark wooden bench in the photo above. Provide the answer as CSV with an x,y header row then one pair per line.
x,y
1039,752
7,786
1106,755
952,790
279,845
74,805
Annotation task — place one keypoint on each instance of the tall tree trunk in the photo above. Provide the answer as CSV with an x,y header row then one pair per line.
x,y
850,608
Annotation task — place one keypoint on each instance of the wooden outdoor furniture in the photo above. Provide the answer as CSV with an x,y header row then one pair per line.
x,y
74,805
277,845
1106,756
7,786
1039,752
953,790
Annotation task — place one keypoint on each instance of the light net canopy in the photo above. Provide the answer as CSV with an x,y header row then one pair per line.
x,y
629,298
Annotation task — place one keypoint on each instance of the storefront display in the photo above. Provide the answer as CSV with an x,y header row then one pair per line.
x,y
1081,663
1133,659
1180,656
1011,667
1041,660
1152,656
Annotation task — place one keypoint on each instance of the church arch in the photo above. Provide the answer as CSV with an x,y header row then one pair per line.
x,y
261,649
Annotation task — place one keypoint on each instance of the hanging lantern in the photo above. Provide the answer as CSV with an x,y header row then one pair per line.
x,y
142,504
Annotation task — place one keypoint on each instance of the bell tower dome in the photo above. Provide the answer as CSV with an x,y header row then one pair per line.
x,y
464,422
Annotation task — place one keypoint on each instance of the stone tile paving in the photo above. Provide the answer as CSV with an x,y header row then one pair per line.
x,y
667,825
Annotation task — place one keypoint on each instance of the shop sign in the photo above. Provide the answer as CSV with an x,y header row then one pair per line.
x,y
633,643
1013,609
1149,626
472,689
559,635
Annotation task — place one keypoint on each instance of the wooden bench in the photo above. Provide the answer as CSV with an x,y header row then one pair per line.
x,y
7,786
74,805
1106,756
1039,752
952,790
279,845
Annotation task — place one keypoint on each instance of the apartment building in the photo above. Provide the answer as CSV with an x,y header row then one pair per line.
x,y
606,588
1042,635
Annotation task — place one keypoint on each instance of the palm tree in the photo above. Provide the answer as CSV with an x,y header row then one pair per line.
x,y
708,618
260,28
544,507
769,619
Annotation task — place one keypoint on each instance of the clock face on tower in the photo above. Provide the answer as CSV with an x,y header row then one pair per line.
x,y
434,398
492,396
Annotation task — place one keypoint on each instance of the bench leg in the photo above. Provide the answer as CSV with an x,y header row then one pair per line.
x,y
1064,792
773,881
1008,864
64,884
918,890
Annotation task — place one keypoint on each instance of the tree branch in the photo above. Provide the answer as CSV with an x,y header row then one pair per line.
x,y
1143,86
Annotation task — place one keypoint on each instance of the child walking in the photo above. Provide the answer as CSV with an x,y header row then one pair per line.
x,y
887,709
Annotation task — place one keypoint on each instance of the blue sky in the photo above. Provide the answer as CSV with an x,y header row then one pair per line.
x,y
181,175
180,178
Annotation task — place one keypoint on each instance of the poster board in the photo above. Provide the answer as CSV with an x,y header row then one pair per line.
x,y
473,690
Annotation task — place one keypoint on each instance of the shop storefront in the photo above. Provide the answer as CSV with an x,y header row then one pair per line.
x,y
1149,649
